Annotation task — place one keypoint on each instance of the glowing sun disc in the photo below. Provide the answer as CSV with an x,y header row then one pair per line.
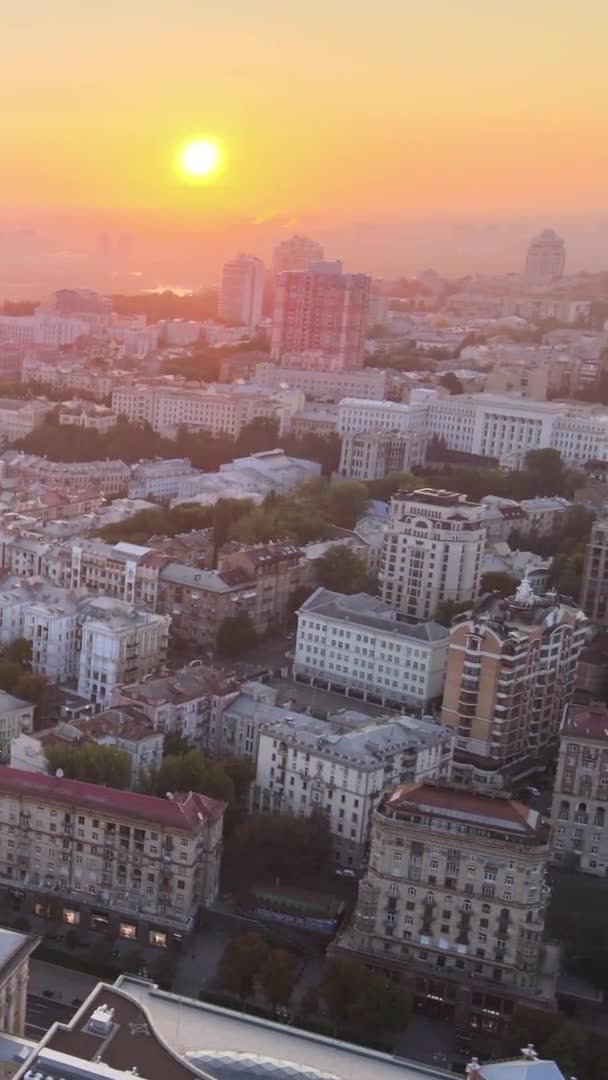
x,y
200,158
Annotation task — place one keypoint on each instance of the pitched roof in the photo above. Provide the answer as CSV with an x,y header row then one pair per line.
x,y
466,806
185,811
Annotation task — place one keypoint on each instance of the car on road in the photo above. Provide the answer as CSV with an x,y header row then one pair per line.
x,y
534,792
345,873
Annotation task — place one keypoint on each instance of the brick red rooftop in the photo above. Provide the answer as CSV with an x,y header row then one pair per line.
x,y
180,812
590,720
497,811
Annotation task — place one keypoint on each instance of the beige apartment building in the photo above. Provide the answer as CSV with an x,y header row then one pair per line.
x,y
512,666
15,952
580,796
276,569
433,546
453,900
112,862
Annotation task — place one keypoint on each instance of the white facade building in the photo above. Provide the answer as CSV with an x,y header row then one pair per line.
x,y
242,291
19,418
342,767
119,644
367,383
16,718
433,547
360,646
167,409
500,426
161,479
42,328
356,415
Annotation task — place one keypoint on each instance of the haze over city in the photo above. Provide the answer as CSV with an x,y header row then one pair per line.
x,y
401,141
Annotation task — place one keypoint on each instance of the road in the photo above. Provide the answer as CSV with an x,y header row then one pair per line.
x,y
41,1012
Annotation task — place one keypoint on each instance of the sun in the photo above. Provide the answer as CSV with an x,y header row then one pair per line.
x,y
200,159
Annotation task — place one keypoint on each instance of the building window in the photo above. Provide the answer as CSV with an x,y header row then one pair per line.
x,y
157,938
128,931
71,916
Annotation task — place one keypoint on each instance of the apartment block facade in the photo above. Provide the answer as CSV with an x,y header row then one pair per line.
x,y
242,291
114,862
453,900
433,547
359,646
342,767
190,703
372,455
580,796
324,310
118,644
512,667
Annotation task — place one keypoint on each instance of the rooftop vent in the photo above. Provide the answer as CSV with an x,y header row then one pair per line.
x,y
101,1021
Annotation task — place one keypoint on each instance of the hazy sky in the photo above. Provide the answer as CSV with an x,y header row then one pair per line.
x,y
369,108
356,105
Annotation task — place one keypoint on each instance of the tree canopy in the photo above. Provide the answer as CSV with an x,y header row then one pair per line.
x,y
267,847
236,635
342,570
241,961
91,762
360,1000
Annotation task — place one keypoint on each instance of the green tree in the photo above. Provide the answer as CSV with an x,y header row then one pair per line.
x,y
346,501
189,771
243,958
90,762
342,570
451,383
343,986
10,673
498,581
236,635
241,771
278,976
288,848
358,1000
35,688
261,433
547,466
19,652
447,611
569,1048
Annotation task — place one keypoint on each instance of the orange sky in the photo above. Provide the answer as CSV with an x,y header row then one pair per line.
x,y
341,106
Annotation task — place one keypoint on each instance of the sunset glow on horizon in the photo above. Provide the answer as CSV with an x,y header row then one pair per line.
x,y
340,107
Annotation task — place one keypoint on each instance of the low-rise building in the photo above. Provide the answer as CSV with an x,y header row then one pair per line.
x,y
453,900
19,418
359,646
125,728
87,414
160,479
580,796
342,766
190,703
130,865
110,476
16,717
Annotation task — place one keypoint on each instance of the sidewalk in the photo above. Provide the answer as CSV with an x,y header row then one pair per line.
x,y
65,983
